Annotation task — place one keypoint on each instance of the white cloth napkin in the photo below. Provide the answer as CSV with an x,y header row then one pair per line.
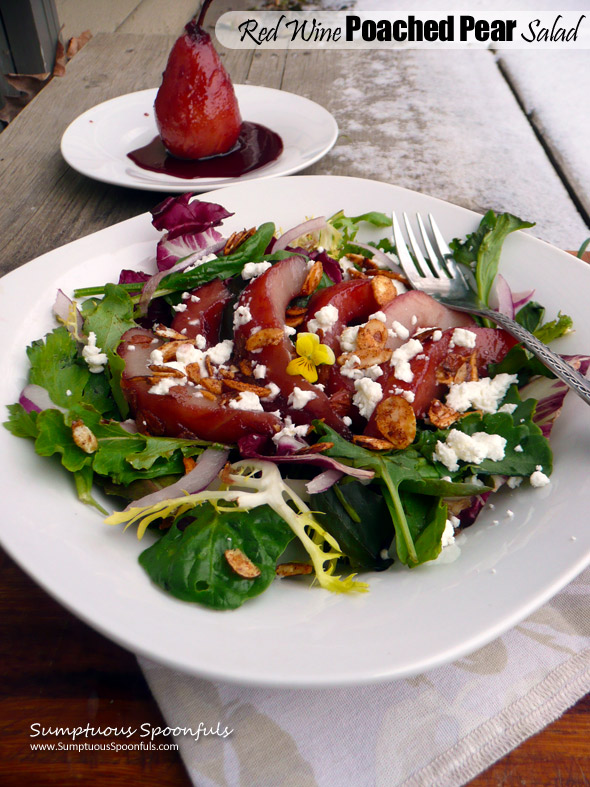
x,y
440,728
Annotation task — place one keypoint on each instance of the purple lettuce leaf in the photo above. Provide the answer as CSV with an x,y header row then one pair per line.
x,y
179,216
172,248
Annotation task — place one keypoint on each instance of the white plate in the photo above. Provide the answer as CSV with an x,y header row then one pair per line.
x,y
96,144
292,635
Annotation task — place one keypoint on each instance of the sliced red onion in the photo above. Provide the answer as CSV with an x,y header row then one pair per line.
x,y
35,397
323,481
520,299
151,285
313,225
129,426
206,470
62,308
550,393
289,445
379,256
502,299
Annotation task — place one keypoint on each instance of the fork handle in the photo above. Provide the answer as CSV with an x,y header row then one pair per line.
x,y
577,382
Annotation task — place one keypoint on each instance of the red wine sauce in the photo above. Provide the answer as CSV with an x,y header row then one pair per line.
x,y
256,146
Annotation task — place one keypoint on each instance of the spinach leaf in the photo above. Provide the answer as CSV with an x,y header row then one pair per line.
x,y
358,519
530,316
189,560
482,248
427,517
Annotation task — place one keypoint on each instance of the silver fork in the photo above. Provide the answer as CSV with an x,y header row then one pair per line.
x,y
436,273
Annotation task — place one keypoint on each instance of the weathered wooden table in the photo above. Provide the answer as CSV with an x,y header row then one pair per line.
x,y
415,120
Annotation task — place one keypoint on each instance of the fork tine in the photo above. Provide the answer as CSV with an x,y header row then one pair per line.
x,y
433,260
408,265
454,269
420,263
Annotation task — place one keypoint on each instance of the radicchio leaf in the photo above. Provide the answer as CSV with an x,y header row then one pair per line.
x,y
171,249
180,215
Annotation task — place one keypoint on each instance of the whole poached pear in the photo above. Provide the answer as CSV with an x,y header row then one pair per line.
x,y
196,109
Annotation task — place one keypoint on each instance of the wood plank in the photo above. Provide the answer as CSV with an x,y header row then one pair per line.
x,y
553,87
439,122
72,205
104,16
151,17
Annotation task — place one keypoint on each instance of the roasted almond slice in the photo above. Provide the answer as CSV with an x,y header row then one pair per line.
x,y
295,311
366,358
384,290
441,415
264,337
208,395
193,372
373,443
358,259
225,474
84,437
316,448
245,368
165,371
170,349
370,265
294,322
209,366
390,275
293,569
189,463
241,564
238,385
356,274
212,385
371,336
396,420
312,279
169,333
230,373
236,239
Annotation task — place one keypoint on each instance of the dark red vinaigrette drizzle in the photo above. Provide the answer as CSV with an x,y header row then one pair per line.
x,y
256,146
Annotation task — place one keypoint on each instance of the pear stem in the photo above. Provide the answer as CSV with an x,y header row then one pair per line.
x,y
202,12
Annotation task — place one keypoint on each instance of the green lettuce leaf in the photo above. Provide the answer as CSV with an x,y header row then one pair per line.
x,y
189,560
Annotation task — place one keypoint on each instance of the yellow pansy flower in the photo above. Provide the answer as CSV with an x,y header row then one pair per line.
x,y
311,354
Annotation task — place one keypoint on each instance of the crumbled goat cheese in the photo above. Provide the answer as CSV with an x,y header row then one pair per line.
x,y
289,330
247,400
409,396
437,335
180,307
200,261
346,420
349,368
368,395
220,353
414,319
401,358
185,296
400,330
259,371
348,338
448,536
242,316
484,394
514,481
509,408
253,269
346,266
68,392
324,318
462,337
131,347
519,449
469,448
299,398
195,298
163,386
200,341
93,355
274,392
381,316
290,430
538,479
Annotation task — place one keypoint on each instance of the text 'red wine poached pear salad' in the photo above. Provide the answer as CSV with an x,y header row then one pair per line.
x,y
269,387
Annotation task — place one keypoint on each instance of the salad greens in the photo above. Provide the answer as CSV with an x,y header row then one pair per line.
x,y
400,510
